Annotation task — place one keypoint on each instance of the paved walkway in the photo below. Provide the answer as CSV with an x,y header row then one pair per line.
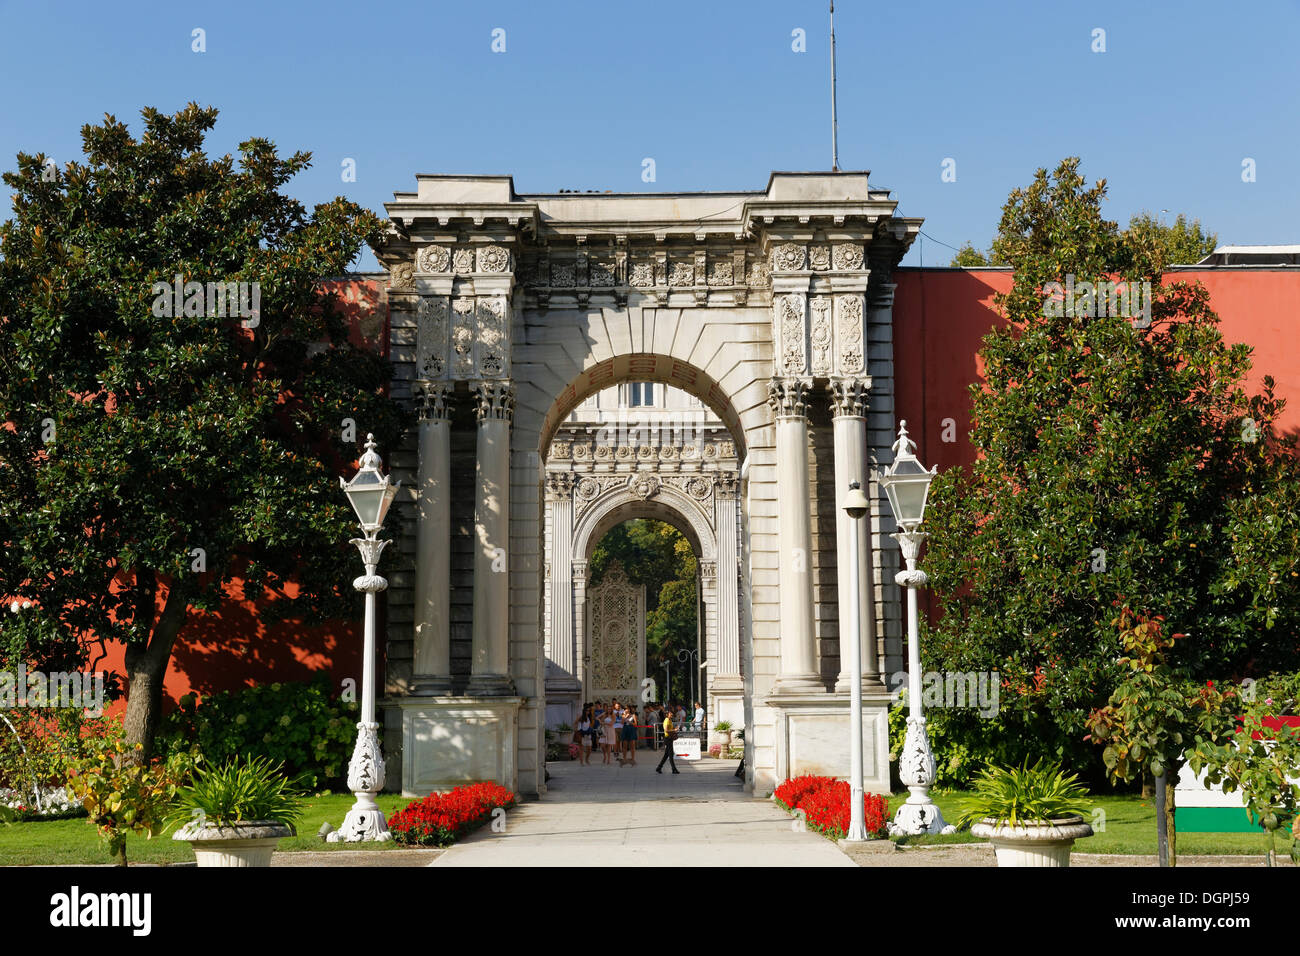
x,y
607,815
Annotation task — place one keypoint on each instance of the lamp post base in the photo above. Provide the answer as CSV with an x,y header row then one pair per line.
x,y
916,768
365,822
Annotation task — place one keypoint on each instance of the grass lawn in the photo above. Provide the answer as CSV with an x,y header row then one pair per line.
x,y
1130,827
76,842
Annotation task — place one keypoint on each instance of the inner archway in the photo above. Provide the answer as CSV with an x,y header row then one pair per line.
x,y
642,452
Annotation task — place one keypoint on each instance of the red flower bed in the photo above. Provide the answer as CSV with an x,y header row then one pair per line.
x,y
825,805
441,818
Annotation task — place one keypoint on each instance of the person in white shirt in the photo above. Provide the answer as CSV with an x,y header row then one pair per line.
x,y
699,717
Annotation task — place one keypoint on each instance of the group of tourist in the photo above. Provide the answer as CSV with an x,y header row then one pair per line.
x,y
615,728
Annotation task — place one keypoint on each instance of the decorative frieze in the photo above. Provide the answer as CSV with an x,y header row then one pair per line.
x,y
789,331
462,261
462,338
432,327
401,275
849,319
819,258
819,334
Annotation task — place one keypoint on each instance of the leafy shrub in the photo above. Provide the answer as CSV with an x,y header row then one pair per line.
x,y
37,745
300,725
238,792
442,818
121,796
1025,794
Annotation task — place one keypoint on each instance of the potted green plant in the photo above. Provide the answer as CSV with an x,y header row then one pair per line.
x,y
236,813
724,727
1031,815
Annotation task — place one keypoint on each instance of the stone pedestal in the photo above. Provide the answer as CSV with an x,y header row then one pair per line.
x,y
812,737
449,741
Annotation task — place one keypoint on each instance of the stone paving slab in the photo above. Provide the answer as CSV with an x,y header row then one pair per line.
x,y
607,815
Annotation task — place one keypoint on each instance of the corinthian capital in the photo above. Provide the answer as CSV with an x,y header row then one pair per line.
x,y
435,401
849,397
496,401
559,485
789,396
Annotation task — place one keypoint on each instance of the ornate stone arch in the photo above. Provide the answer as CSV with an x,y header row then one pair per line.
x,y
621,501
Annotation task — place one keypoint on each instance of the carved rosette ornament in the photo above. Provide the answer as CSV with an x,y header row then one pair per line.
x,y
496,401
788,257
849,397
849,315
493,259
790,313
698,488
848,256
401,275
431,320
587,489
434,259
789,397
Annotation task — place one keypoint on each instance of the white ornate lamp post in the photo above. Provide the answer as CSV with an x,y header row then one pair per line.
x,y
855,506
907,484
370,495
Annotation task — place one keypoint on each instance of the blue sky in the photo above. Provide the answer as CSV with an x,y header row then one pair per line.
x,y
712,91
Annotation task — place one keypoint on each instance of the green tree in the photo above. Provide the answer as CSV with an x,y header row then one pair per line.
x,y
1183,243
968,256
1117,459
153,452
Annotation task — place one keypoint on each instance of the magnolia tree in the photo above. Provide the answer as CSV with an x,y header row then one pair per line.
x,y
1119,456
180,396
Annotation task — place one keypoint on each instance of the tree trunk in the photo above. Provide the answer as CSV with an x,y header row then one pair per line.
x,y
1162,822
1171,828
146,668
1147,789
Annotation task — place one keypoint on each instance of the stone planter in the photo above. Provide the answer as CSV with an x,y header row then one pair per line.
x,y
1047,843
244,844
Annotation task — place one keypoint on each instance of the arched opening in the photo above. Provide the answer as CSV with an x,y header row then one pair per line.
x,y
639,447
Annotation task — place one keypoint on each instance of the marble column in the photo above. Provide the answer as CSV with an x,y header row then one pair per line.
x,y
578,574
490,663
559,494
849,400
724,664
799,675
432,657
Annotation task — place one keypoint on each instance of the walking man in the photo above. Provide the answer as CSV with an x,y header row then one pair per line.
x,y
670,735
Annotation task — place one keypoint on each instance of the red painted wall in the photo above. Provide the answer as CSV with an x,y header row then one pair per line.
x,y
941,316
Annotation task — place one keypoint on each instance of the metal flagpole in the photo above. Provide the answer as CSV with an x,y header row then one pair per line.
x,y
835,149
